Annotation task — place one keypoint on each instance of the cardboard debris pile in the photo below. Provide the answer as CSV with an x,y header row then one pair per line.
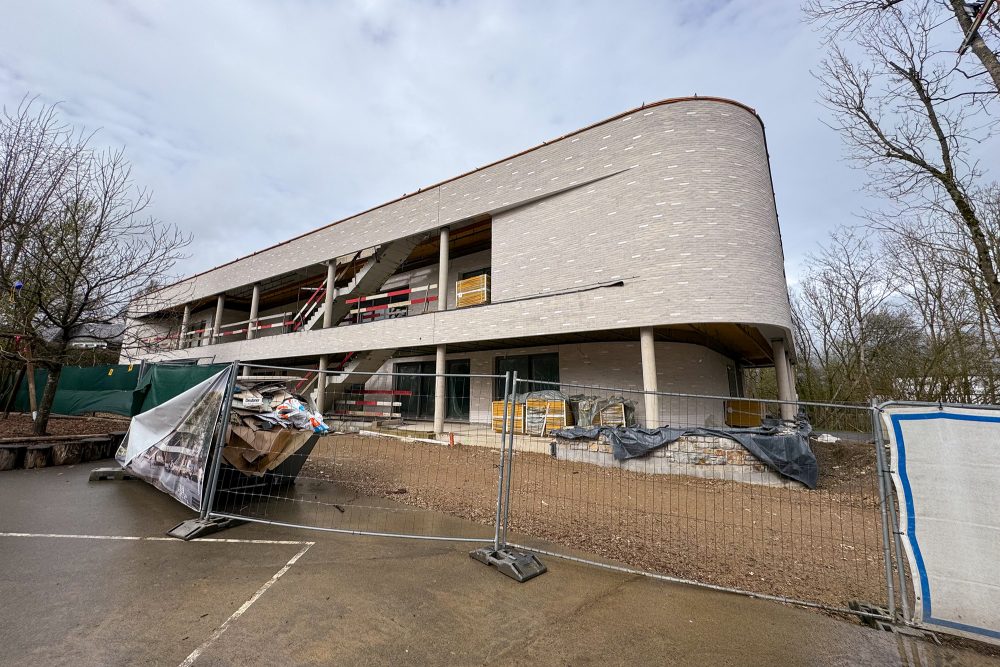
x,y
270,424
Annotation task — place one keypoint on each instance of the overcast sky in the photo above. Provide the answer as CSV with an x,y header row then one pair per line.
x,y
253,122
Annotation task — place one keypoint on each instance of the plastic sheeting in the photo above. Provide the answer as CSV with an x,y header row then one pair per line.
x,y
782,449
587,409
168,445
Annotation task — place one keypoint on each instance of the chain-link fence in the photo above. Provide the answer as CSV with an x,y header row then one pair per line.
x,y
384,467
711,490
706,489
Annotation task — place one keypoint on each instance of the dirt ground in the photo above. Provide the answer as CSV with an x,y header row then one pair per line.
x,y
821,545
18,425
842,464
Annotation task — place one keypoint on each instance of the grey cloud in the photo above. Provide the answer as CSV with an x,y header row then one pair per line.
x,y
253,122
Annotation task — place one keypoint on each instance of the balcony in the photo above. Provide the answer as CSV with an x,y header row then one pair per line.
x,y
396,280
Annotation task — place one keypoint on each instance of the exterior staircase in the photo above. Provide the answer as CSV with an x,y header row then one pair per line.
x,y
355,370
369,280
381,264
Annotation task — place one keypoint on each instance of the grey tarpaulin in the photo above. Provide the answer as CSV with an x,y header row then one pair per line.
x,y
785,450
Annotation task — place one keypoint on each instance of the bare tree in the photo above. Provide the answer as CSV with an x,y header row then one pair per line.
x,y
889,313
849,18
844,319
913,118
85,252
37,153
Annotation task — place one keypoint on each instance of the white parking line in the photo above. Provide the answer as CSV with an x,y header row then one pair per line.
x,y
155,538
212,638
246,605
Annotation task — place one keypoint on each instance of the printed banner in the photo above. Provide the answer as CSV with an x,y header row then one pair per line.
x,y
169,445
947,461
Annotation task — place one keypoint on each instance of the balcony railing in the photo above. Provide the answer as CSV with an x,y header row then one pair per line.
x,y
268,325
390,304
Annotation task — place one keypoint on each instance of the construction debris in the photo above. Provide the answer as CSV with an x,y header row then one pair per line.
x,y
264,404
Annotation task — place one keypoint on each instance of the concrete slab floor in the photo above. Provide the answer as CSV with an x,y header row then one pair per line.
x,y
350,600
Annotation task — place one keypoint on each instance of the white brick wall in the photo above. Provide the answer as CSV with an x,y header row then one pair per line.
x,y
683,213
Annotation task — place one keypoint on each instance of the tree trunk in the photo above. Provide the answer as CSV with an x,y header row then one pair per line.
x,y
32,396
37,456
989,59
980,242
48,397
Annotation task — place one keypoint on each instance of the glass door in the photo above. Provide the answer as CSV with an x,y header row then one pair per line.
x,y
419,403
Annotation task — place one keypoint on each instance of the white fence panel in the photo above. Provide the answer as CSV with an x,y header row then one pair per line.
x,y
947,465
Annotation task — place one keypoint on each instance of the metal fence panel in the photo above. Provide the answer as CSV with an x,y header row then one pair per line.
x,y
701,509
382,470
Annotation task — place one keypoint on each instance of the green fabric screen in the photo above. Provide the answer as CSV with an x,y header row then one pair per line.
x,y
86,389
161,382
116,389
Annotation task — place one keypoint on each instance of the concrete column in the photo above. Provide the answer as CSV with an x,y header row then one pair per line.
x,y
781,373
331,279
652,401
254,308
443,271
220,304
185,323
440,382
440,388
324,362
792,389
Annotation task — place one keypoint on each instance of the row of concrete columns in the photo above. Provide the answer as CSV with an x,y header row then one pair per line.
x,y
783,369
220,305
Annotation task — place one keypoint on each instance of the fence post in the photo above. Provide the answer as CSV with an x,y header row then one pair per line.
x,y
885,479
219,442
510,455
500,475
882,490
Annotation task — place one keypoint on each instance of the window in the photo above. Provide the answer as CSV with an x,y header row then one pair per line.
x,y
417,378
539,367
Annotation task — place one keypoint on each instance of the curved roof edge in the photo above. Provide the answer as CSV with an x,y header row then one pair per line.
x,y
671,100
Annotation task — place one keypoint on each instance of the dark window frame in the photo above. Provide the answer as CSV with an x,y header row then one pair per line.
x,y
484,271
536,365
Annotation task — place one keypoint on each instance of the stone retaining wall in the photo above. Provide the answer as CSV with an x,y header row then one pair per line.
x,y
696,456
44,451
